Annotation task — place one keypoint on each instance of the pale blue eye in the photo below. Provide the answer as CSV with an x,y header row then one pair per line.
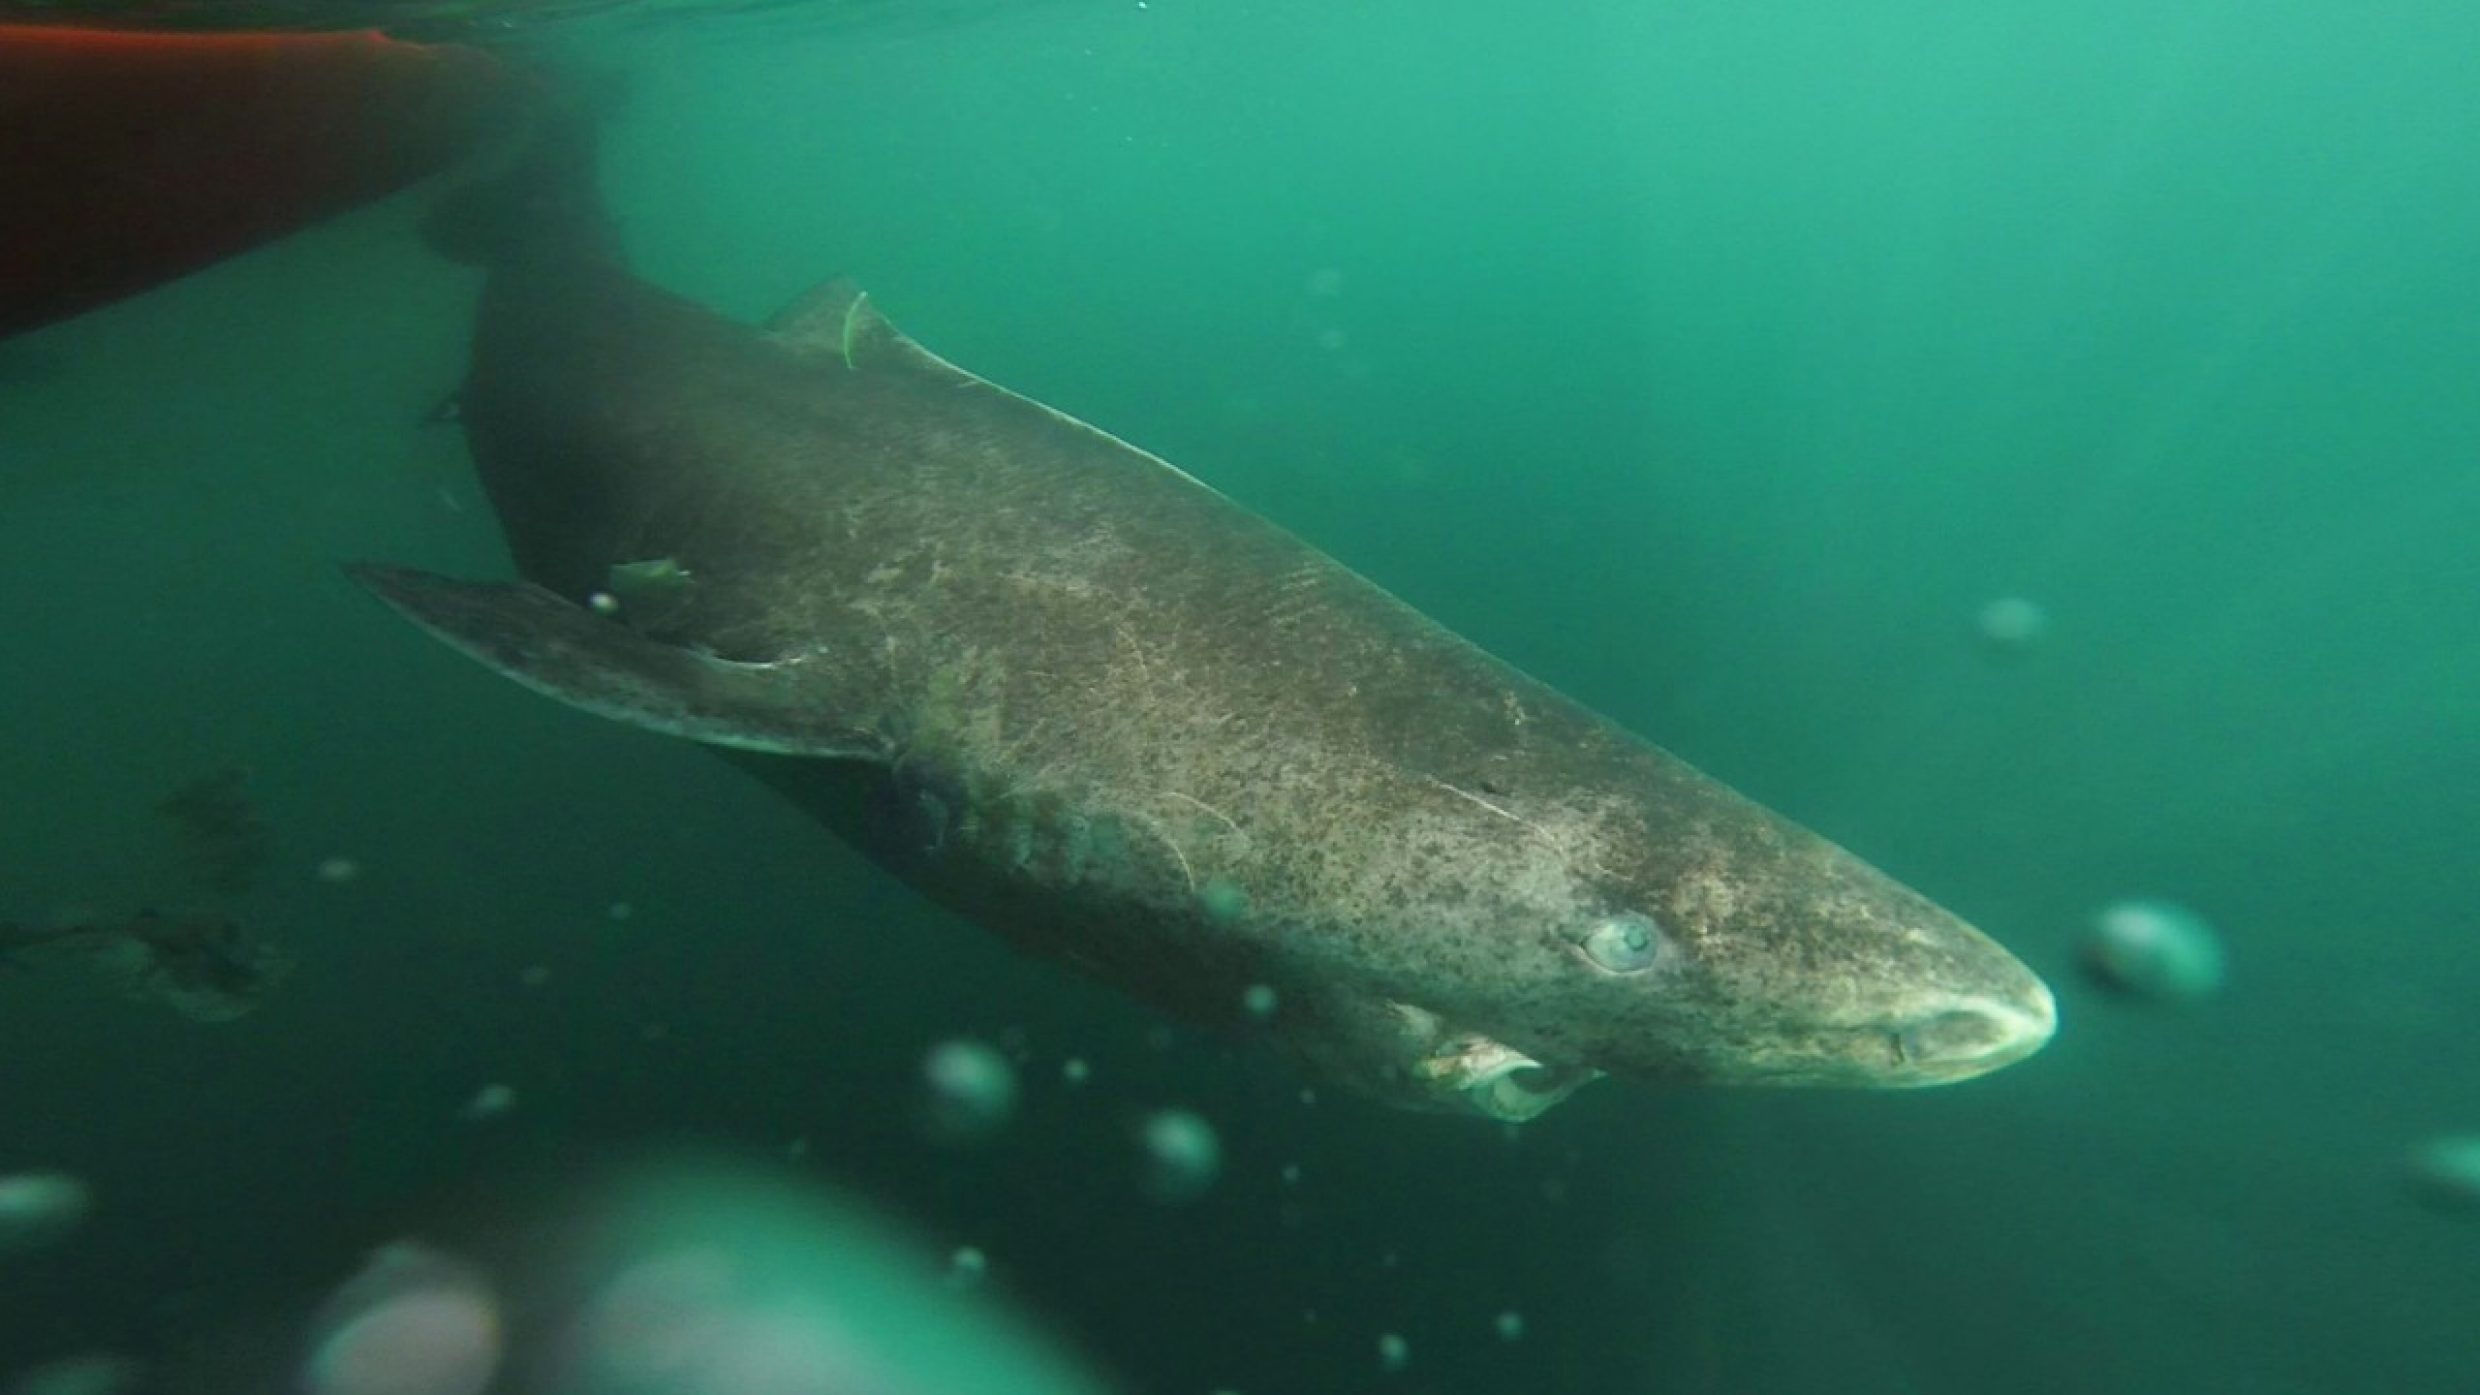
x,y
1623,944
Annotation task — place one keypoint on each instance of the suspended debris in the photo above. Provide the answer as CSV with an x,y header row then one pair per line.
x,y
204,967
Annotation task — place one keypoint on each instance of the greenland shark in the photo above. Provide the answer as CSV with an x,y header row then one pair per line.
x,y
1085,700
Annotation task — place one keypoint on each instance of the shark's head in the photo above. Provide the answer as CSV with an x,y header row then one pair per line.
x,y
1689,936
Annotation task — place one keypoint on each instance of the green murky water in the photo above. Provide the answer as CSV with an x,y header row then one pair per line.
x,y
1718,363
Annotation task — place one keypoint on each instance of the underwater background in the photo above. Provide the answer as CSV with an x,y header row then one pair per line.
x,y
1717,363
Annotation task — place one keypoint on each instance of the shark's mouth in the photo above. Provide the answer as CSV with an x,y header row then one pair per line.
x,y
1494,1080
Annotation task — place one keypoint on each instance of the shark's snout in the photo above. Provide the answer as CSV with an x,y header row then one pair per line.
x,y
1974,1036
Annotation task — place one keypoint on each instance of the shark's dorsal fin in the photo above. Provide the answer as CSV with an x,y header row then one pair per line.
x,y
836,323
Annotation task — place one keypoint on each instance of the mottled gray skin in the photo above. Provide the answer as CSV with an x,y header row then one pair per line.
x,y
1092,704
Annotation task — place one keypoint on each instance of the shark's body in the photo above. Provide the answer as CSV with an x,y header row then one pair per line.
x,y
1089,702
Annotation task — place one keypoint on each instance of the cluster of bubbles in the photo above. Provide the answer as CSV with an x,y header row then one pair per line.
x,y
679,1278
2145,948
971,1093
682,1279
2159,951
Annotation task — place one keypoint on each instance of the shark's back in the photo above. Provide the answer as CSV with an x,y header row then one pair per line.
x,y
828,487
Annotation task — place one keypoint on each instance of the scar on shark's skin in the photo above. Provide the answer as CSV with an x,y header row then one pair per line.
x,y
1237,831
1508,814
1565,848
1105,645
1136,651
1154,826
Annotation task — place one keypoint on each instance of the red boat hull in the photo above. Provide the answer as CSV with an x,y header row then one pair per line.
x,y
129,159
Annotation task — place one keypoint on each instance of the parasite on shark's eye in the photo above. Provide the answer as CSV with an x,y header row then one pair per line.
x,y
1626,943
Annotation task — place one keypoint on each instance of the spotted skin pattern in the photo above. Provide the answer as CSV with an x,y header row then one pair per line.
x,y
1092,704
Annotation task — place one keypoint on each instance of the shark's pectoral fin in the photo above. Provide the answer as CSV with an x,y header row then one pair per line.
x,y
835,323
568,652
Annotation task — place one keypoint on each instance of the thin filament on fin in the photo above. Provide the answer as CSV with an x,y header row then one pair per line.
x,y
852,324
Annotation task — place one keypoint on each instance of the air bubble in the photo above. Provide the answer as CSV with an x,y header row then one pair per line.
x,y
972,1090
1183,1155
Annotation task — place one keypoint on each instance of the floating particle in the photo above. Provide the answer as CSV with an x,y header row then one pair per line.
x,y
490,1102
336,871
1225,900
2444,1173
38,1208
1260,1000
1326,281
2011,624
619,910
972,1090
604,603
534,975
1291,1174
1510,1325
1332,339
412,1322
1307,1095
966,1267
2154,949
1394,1353
95,1373
1075,1071
1182,1155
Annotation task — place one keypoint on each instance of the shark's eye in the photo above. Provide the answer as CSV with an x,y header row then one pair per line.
x,y
1623,944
